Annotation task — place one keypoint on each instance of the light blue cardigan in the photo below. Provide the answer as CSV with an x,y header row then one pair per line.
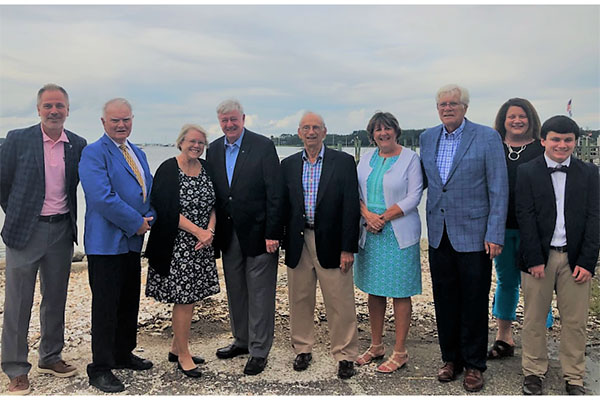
x,y
402,185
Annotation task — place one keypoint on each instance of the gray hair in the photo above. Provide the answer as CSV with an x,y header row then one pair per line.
x,y
312,113
453,88
117,100
228,106
185,129
51,87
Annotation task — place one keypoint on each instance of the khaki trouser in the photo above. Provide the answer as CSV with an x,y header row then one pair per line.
x,y
338,295
573,304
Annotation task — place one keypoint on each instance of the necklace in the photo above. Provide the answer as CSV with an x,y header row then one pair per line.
x,y
514,155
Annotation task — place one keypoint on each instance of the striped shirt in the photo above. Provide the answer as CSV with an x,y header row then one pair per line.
x,y
311,175
449,142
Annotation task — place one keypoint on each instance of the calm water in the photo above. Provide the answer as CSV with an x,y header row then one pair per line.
x,y
156,155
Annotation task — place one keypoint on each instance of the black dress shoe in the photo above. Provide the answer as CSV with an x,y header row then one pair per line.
x,y
192,373
301,362
106,382
196,359
532,385
255,365
574,390
231,351
346,369
135,363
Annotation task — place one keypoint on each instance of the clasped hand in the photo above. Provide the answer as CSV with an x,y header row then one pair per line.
x,y
205,238
375,222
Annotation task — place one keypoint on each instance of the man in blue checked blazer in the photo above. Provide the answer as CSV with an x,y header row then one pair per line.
x,y
116,180
38,183
467,201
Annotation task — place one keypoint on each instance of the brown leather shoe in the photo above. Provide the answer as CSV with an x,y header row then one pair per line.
x,y
447,373
473,381
60,369
19,386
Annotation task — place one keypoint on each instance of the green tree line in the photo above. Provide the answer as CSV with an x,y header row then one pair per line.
x,y
409,138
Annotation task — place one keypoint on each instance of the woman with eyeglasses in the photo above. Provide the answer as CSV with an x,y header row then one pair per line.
x,y
518,123
388,263
181,259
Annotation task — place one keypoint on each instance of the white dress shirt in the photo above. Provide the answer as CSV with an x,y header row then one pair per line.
x,y
559,181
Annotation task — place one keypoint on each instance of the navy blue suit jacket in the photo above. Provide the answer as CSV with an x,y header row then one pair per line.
x,y
252,204
337,210
23,183
536,213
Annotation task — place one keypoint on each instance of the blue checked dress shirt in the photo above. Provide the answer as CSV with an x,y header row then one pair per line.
x,y
311,174
447,147
231,152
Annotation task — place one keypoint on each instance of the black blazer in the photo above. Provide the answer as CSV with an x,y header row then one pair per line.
x,y
252,205
164,198
536,213
337,212
23,183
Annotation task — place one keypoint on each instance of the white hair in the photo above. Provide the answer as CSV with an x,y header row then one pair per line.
x,y
228,106
313,113
453,88
117,100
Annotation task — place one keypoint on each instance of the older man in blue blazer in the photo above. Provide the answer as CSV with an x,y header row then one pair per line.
x,y
38,184
467,202
116,180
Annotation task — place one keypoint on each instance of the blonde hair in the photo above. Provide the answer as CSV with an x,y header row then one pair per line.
x,y
185,129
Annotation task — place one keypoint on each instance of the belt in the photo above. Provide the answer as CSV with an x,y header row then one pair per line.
x,y
560,249
53,218
308,225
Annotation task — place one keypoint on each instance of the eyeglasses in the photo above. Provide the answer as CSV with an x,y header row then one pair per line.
x,y
451,105
196,142
306,128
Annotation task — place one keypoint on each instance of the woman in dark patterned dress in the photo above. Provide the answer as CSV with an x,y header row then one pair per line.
x,y
179,251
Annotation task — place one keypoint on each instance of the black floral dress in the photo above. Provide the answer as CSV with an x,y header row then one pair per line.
x,y
193,273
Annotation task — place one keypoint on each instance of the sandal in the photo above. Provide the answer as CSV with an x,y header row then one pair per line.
x,y
500,349
390,365
368,356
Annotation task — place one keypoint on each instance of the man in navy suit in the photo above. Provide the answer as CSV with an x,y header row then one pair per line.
x,y
322,217
557,204
467,201
245,172
38,175
116,180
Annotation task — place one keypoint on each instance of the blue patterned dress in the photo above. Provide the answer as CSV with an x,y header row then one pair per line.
x,y
381,267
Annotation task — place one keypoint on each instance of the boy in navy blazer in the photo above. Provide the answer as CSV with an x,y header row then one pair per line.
x,y
557,208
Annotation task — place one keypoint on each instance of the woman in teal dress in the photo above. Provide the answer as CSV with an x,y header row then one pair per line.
x,y
388,263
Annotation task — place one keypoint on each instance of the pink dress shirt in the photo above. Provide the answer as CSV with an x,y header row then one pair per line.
x,y
55,201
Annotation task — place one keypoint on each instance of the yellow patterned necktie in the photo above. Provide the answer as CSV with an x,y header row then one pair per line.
x,y
134,167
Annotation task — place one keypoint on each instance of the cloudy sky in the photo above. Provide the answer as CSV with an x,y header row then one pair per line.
x,y
176,63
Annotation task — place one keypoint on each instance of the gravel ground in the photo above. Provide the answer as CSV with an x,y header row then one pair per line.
x,y
210,330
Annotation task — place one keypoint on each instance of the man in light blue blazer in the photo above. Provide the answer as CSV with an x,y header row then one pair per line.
x,y
116,180
467,201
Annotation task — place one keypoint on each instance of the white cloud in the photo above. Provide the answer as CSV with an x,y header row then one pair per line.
x,y
176,63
